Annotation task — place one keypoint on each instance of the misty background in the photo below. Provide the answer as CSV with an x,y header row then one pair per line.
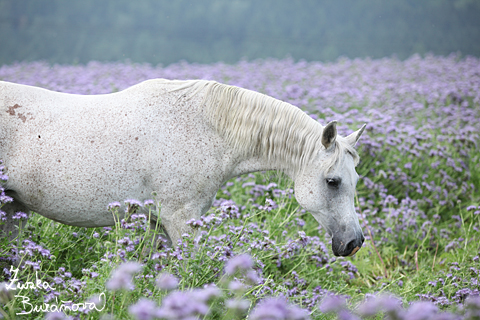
x,y
164,32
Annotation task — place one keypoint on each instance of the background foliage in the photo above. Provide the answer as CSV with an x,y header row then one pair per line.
x,y
217,30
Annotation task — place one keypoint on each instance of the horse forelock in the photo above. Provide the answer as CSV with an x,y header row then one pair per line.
x,y
337,155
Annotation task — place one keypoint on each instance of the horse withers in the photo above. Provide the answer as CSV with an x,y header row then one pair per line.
x,y
67,156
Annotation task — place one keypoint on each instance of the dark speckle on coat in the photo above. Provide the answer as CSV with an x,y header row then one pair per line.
x,y
11,110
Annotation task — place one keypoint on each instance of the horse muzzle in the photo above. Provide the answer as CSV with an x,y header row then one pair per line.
x,y
347,246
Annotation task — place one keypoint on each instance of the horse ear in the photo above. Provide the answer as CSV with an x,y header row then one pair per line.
x,y
329,134
352,139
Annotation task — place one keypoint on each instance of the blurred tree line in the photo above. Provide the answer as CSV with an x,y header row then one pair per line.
x,y
166,31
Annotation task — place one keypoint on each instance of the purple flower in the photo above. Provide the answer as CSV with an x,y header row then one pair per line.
x,y
20,215
34,265
270,205
252,277
278,309
5,199
140,217
122,277
125,241
332,303
182,305
133,202
238,305
148,202
373,305
346,315
207,293
57,315
236,286
144,309
166,281
240,263
114,204
421,310
195,223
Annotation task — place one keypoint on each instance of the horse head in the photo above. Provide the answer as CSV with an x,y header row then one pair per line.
x,y
326,188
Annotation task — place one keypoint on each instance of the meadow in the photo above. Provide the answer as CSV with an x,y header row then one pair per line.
x,y
257,254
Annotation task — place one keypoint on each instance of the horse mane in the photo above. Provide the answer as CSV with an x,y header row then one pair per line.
x,y
255,124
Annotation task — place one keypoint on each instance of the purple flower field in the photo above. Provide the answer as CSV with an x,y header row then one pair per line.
x,y
256,253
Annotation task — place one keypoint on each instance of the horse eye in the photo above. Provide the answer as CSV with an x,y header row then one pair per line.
x,y
333,182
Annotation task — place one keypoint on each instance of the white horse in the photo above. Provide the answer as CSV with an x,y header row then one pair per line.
x,y
67,156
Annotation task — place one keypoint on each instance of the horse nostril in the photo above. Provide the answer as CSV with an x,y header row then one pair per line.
x,y
353,246
349,249
350,246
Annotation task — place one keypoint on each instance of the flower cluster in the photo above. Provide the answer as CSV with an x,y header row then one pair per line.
x,y
257,252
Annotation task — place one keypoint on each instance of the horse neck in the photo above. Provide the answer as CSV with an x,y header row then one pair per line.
x,y
256,164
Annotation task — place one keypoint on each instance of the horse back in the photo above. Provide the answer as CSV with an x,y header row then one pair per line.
x,y
63,151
